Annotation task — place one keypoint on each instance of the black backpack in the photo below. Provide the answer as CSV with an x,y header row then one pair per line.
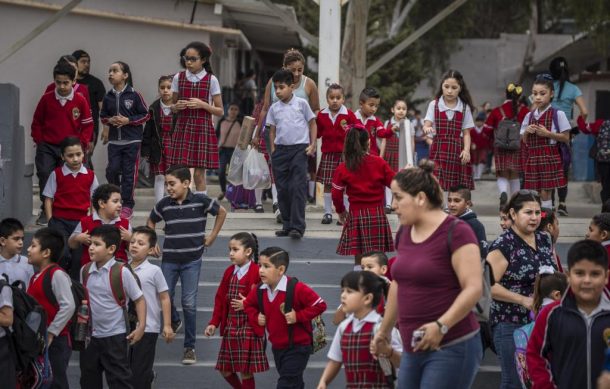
x,y
507,135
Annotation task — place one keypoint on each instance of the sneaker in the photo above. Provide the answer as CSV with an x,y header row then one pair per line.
x,y
259,208
327,218
281,233
42,219
278,214
295,234
388,210
189,357
176,326
503,200
221,196
562,209
126,213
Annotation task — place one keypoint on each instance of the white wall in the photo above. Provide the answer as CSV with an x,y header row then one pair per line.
x,y
589,89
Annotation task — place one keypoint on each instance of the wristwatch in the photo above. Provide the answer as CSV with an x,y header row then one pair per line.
x,y
444,329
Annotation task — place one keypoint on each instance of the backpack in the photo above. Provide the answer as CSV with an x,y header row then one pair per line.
x,y
521,337
564,148
118,291
602,141
318,335
507,135
481,310
79,293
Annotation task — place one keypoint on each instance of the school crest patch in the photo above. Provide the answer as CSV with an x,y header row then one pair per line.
x,y
75,113
343,123
128,103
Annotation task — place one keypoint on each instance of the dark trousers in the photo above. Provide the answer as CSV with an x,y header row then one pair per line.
x,y
122,170
8,374
225,154
290,171
47,158
105,355
603,169
290,364
59,356
141,360
69,261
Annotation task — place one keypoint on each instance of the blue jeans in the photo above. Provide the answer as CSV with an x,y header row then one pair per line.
x,y
189,279
452,367
505,348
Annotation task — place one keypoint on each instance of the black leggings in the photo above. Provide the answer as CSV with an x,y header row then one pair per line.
x,y
225,154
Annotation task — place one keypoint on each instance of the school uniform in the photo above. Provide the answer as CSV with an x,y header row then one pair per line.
x,y
155,140
124,142
351,347
71,193
542,165
290,359
8,367
505,160
479,145
16,268
289,161
89,222
81,89
375,128
366,227
241,350
142,354
107,351
332,130
56,118
228,132
391,154
59,314
448,143
193,142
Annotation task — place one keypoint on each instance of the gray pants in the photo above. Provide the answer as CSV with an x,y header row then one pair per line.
x,y
289,165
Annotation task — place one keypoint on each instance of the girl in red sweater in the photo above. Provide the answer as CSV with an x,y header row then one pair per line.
x,y
363,177
241,350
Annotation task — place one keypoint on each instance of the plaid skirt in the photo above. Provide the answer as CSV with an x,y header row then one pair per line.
x,y
328,164
445,153
478,156
391,152
365,230
193,145
507,160
542,168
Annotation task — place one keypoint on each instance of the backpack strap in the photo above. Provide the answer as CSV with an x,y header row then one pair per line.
x,y
85,273
259,295
116,283
47,287
288,305
450,233
502,112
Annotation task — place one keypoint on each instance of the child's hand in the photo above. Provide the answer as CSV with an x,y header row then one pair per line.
x,y
125,234
238,304
262,320
531,129
465,157
195,103
104,135
291,317
382,348
542,131
429,130
310,150
121,121
136,335
209,330
180,105
168,334
343,217
156,251
84,238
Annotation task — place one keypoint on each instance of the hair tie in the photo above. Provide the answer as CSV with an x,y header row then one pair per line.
x,y
510,87
543,214
545,269
544,76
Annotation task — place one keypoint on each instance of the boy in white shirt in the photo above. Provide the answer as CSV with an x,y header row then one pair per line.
x,y
12,263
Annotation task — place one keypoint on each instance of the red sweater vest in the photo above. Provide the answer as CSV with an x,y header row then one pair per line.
x,y
36,290
361,370
73,196
88,224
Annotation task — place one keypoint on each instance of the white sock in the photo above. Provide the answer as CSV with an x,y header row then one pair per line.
x,y
388,197
274,193
203,192
312,189
503,185
159,187
515,185
547,204
479,169
328,203
346,202
258,194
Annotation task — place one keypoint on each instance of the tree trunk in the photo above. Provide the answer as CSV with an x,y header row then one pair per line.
x,y
353,51
530,48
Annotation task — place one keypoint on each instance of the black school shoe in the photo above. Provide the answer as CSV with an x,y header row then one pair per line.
x,y
327,218
295,234
562,209
503,200
281,233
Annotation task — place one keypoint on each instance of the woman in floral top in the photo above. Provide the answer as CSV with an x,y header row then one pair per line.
x,y
515,257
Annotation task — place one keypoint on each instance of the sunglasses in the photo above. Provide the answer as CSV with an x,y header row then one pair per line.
x,y
190,59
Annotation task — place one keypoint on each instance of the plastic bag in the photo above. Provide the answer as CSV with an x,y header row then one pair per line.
x,y
256,171
235,173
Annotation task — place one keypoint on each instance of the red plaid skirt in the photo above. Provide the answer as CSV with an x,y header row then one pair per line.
x,y
241,351
478,156
365,230
542,166
327,167
507,160
391,152
193,144
445,152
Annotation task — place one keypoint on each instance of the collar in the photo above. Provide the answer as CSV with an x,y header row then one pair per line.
x,y
537,113
107,266
604,305
96,216
280,285
371,317
443,107
14,259
69,97
198,76
189,198
120,91
546,301
164,106
606,243
289,102
241,271
143,264
358,114
342,111
66,170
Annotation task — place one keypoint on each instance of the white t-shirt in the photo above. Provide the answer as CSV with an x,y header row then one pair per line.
x,y
153,283
17,269
562,122
196,77
467,122
6,300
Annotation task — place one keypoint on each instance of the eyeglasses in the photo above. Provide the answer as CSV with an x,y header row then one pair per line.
x,y
190,59
530,192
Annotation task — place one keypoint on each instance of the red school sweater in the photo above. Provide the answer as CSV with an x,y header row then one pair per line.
x,y
222,304
73,196
36,290
88,224
53,122
307,305
333,134
376,129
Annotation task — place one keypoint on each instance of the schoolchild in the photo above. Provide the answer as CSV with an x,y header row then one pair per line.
x,y
108,350
12,263
158,306
449,120
78,88
541,130
196,97
479,147
459,204
549,222
157,131
567,345
59,114
185,216
363,177
361,293
68,196
292,137
369,104
332,123
241,351
290,333
228,129
599,231
600,152
124,112
44,251
106,202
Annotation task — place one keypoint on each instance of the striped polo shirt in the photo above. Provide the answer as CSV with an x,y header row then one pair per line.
x,y
184,225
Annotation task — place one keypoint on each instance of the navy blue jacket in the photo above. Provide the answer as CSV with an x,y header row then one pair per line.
x,y
479,230
130,104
